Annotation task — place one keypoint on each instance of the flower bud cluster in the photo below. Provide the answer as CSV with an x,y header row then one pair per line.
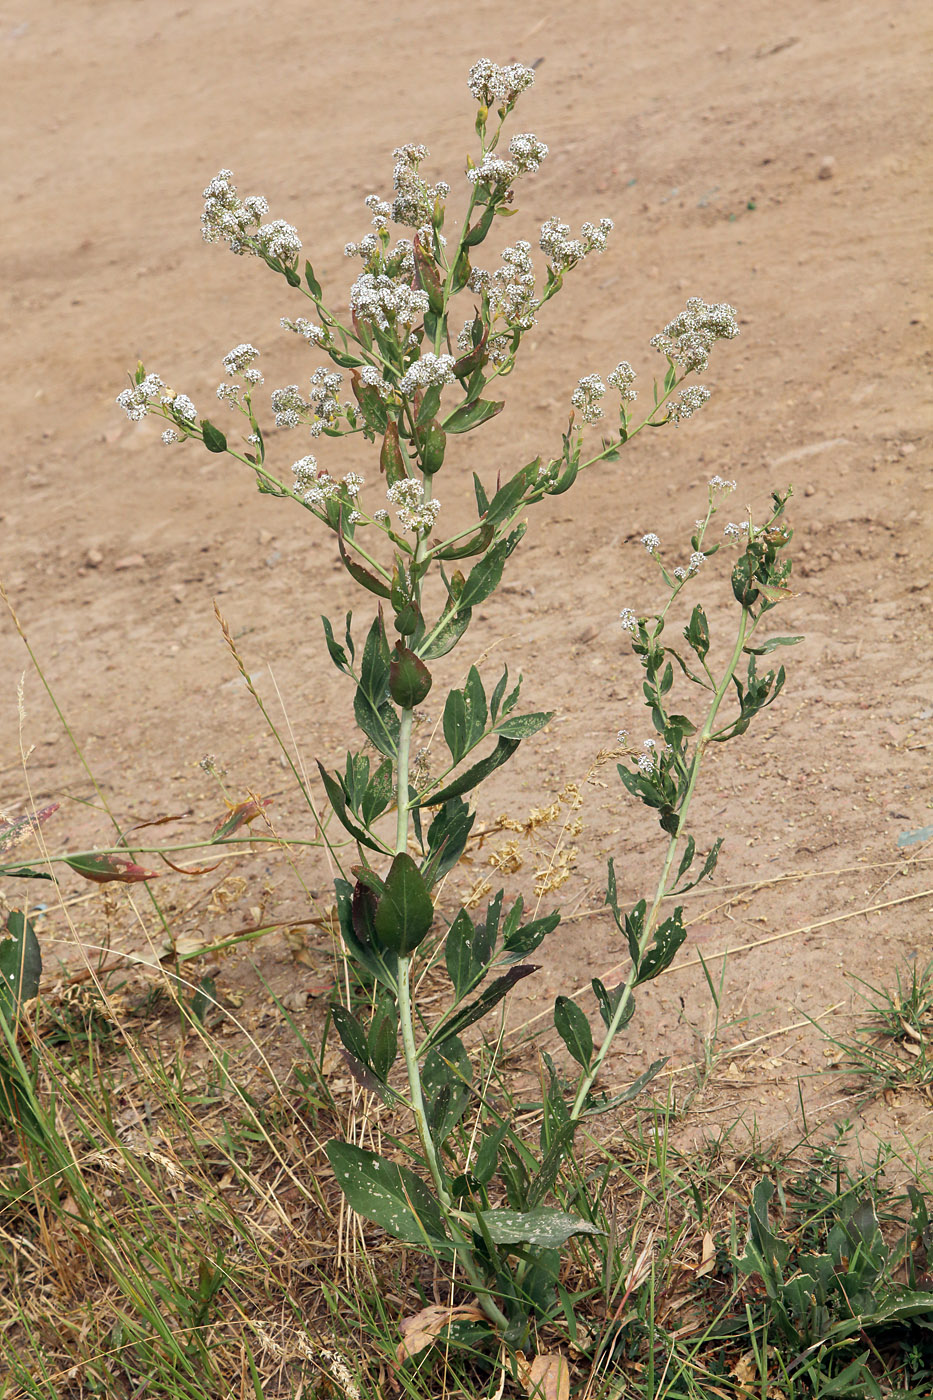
x,y
383,302
651,543
628,621
691,335
288,406
490,84
323,398
511,289
687,402
180,406
693,566
137,402
431,371
622,378
563,252
414,199
370,376
414,512
240,361
526,153
734,531
586,397
716,483
314,335
228,219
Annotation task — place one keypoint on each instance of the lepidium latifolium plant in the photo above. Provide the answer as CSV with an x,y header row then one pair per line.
x,y
419,354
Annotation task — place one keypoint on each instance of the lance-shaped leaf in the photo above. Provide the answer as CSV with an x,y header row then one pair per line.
x,y
465,716
454,621
371,706
102,869
389,1195
337,653
446,1078
447,838
11,833
240,814
608,1001
466,1016
668,937
474,775
405,912
470,415
771,644
409,678
356,571
391,461
367,396
20,966
594,1108
337,798
573,1027
709,865
697,632
523,726
433,447
356,910
427,277
545,1228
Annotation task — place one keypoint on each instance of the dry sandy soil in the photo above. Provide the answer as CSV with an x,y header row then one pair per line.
x,y
771,156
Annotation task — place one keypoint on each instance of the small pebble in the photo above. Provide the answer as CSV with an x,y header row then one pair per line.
x,y
129,561
94,558
827,168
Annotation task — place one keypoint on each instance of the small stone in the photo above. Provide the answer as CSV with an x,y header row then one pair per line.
x,y
94,558
836,557
129,561
265,537
179,592
906,448
809,490
827,168
589,634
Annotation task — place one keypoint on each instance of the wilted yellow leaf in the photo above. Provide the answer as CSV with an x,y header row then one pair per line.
x,y
424,1327
546,1378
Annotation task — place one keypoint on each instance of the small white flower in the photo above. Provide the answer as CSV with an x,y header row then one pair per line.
x,y
431,371
354,485
315,335
170,436
182,406
690,337
628,620
716,483
240,358
491,84
586,395
687,402
696,560
680,573
137,402
279,240
735,531
622,378
651,542
414,512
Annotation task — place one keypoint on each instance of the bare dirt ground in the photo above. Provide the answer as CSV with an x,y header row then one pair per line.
x,y
771,156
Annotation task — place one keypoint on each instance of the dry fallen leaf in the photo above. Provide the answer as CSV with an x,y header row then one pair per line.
x,y
423,1328
547,1378
708,1259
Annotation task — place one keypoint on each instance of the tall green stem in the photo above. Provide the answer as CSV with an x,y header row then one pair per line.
x,y
662,891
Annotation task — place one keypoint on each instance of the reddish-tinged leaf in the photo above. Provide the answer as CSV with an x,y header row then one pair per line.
x,y
103,869
547,1378
14,831
420,1330
241,813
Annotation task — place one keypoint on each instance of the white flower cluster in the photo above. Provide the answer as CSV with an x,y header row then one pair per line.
x,y
628,621
716,483
526,153
489,83
227,218
230,394
279,240
431,371
137,402
414,512
693,566
687,402
323,400
315,335
288,405
305,474
180,406
562,251
414,199
648,760
370,376
511,289
651,543
622,378
734,531
691,335
586,397
240,361
376,298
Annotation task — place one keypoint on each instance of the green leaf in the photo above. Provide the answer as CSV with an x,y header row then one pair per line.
x,y
546,1227
433,448
709,865
465,716
409,679
405,913
20,966
389,1195
350,1032
608,1000
484,578
518,943
474,775
447,838
454,622
24,872
668,937
314,286
470,415
382,1040
214,439
446,1078
508,496
103,869
337,798
337,653
356,908
458,1020
361,575
374,714
633,1090
430,403
697,632
772,643
573,1027
523,726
